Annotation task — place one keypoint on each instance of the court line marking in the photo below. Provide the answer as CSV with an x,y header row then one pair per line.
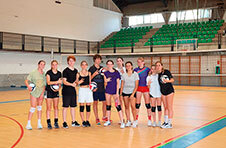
x,y
21,129
205,130
200,90
3,102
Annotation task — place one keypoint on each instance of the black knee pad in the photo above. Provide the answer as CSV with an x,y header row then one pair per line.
x,y
108,107
81,108
137,106
153,108
87,108
159,108
148,106
118,108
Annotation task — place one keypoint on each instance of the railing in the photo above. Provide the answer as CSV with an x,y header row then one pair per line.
x,y
23,42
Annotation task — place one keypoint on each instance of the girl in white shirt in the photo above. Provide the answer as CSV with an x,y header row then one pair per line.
x,y
155,95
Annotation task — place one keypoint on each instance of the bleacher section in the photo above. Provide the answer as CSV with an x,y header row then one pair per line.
x,y
203,31
125,37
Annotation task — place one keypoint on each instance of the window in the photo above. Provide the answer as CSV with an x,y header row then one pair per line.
x,y
190,14
146,19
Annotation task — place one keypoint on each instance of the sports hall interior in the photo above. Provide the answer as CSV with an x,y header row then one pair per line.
x,y
187,36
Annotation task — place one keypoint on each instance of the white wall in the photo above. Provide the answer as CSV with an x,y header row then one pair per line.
x,y
73,19
24,63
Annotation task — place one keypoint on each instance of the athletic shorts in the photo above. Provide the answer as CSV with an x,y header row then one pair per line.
x,y
85,95
99,96
52,94
124,95
69,101
143,89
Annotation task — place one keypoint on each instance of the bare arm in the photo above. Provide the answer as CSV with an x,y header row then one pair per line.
x,y
136,86
51,82
26,83
117,88
122,86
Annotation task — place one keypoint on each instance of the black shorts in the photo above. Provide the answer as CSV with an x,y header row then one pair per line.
x,y
99,96
52,94
124,95
151,96
69,101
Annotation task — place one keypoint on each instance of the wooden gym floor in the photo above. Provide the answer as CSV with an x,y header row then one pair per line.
x,y
199,121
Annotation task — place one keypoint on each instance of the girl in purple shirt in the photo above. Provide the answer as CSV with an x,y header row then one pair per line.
x,y
111,79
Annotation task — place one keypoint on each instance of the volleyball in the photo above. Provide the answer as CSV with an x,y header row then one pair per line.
x,y
93,85
33,86
54,87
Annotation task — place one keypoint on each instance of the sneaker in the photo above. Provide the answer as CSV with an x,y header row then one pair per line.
x,y
163,125
75,124
49,125
149,123
98,121
107,123
56,125
128,124
122,125
105,119
39,126
159,124
88,124
84,124
65,125
167,125
29,127
134,124
154,124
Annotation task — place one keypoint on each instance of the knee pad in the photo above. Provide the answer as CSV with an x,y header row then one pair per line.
x,y
39,108
153,108
108,107
81,108
88,108
118,108
137,106
159,108
32,109
148,106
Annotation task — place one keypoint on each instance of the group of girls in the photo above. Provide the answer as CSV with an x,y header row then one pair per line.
x,y
124,84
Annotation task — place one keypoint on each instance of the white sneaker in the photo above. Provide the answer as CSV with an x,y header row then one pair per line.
x,y
39,126
167,125
149,123
163,125
29,127
107,123
134,124
128,124
159,124
122,125
154,124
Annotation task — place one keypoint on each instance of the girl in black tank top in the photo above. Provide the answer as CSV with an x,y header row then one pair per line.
x,y
85,96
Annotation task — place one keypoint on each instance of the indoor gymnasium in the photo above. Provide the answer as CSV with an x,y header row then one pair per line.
x,y
112,73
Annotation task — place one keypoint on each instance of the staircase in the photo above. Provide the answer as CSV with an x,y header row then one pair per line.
x,y
146,37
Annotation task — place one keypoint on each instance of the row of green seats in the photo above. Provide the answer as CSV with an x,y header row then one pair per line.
x,y
127,37
130,34
194,26
117,45
121,41
141,30
194,23
188,30
137,28
186,33
181,37
179,42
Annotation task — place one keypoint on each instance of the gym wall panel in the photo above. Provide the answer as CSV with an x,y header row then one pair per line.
x,y
72,19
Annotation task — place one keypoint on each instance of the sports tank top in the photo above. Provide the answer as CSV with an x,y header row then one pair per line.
x,y
86,80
